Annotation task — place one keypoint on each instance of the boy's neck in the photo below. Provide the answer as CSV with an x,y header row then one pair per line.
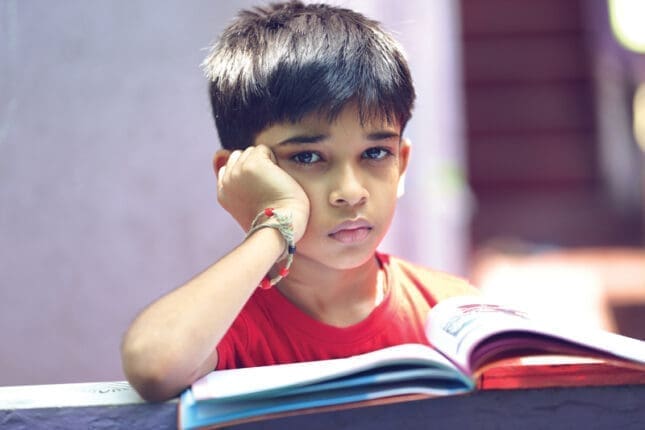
x,y
336,297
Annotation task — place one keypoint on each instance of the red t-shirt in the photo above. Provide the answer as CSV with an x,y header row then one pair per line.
x,y
272,330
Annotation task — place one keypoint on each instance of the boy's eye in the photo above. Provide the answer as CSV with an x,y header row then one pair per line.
x,y
307,157
376,153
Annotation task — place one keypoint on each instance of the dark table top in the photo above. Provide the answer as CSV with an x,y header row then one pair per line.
x,y
598,407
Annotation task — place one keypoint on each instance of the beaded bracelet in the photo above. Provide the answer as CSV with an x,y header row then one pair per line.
x,y
284,224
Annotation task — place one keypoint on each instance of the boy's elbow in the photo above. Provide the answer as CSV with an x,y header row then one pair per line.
x,y
152,387
153,390
151,378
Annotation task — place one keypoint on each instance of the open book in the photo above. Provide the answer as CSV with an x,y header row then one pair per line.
x,y
468,335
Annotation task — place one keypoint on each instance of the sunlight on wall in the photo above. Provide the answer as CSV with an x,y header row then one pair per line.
x,y
627,18
592,287
561,294
639,116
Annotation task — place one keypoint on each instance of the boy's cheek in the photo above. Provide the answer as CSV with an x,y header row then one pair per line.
x,y
308,188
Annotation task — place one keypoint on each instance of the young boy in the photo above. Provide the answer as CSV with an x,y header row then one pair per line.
x,y
310,103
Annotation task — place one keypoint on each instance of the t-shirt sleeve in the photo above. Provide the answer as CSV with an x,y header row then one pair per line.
x,y
435,285
445,286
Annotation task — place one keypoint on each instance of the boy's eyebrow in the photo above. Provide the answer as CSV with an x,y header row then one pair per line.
x,y
302,139
382,135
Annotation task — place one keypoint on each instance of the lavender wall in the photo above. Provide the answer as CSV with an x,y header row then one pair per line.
x,y
107,199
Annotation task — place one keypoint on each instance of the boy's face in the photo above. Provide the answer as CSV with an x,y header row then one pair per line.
x,y
350,173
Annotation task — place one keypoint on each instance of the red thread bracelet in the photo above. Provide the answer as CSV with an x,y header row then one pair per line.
x,y
284,224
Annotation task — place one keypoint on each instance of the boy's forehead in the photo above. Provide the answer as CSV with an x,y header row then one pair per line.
x,y
349,114
320,122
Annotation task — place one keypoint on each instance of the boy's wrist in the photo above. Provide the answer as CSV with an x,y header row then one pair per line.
x,y
281,222
273,241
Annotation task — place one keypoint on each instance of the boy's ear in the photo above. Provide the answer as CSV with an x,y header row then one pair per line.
x,y
404,157
220,159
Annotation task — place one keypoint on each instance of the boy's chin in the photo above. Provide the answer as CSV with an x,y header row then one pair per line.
x,y
337,257
351,259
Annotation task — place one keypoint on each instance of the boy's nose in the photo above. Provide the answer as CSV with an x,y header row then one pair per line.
x,y
348,189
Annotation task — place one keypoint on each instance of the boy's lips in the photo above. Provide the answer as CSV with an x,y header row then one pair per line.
x,y
351,231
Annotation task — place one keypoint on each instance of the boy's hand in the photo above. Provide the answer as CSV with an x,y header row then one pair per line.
x,y
250,181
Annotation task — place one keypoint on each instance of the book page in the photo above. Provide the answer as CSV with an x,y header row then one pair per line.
x,y
210,413
469,329
258,381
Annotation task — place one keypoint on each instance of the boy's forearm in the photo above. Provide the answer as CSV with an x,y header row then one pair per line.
x,y
172,342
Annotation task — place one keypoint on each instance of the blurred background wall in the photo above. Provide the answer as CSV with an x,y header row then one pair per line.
x,y
525,173
541,160
553,157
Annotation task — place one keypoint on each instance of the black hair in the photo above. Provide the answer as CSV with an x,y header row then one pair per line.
x,y
281,62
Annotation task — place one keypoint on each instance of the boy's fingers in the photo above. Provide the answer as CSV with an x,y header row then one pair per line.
x,y
244,155
267,152
220,173
225,163
232,159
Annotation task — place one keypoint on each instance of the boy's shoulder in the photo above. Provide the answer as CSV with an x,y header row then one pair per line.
x,y
440,285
